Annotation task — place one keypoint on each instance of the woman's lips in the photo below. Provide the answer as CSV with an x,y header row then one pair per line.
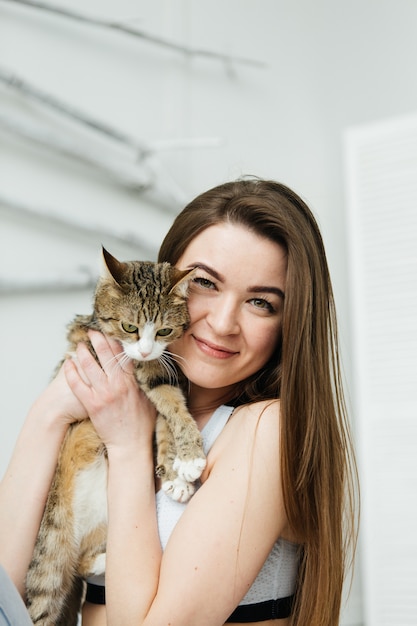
x,y
219,352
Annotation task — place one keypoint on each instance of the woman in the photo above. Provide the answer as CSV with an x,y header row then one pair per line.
x,y
262,541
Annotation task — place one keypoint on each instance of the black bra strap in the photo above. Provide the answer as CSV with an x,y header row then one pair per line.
x,y
96,594
246,613
262,611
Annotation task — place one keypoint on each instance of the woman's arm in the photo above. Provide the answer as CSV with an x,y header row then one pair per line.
x,y
25,485
229,527
133,546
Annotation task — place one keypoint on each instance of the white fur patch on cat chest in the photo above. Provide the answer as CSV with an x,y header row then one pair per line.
x,y
90,498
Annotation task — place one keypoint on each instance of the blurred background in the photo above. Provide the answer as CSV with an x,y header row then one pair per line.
x,y
114,114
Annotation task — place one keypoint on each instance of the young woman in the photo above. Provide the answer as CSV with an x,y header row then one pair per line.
x,y
266,538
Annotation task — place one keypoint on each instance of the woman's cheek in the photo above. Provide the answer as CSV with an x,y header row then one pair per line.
x,y
268,339
196,306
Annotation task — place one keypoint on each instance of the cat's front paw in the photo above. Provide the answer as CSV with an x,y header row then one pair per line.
x,y
98,566
178,489
190,470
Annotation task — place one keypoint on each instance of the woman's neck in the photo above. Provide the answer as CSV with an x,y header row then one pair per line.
x,y
203,402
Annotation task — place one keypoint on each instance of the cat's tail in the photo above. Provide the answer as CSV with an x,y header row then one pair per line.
x,y
53,589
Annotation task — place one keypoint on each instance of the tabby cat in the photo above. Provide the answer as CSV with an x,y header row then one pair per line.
x,y
143,305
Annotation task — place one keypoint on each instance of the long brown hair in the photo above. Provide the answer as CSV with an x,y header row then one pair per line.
x,y
318,465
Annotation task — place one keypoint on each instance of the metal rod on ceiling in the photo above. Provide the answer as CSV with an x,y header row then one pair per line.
x,y
135,176
78,225
227,59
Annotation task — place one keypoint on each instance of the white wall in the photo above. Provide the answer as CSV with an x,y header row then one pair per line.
x,y
328,66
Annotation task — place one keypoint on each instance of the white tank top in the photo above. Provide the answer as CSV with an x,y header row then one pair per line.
x,y
277,577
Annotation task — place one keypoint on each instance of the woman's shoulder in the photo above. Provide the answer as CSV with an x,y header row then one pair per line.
x,y
246,459
250,427
260,408
264,415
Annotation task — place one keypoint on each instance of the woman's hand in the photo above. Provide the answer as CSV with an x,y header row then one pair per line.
x,y
119,410
57,405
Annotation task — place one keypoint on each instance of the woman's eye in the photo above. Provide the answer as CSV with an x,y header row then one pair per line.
x,y
260,303
129,328
164,332
206,283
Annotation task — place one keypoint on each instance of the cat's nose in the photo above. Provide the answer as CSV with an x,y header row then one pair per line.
x,y
145,347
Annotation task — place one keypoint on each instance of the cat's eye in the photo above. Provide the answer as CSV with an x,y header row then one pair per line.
x,y
129,328
164,332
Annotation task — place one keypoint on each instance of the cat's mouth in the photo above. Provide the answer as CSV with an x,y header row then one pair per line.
x,y
214,350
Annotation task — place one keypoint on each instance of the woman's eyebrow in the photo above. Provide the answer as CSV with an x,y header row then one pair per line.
x,y
209,270
264,289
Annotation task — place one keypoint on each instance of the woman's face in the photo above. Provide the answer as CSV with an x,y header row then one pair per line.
x,y
235,304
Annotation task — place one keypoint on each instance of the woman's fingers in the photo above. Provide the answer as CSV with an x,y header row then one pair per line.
x,y
110,353
74,372
69,402
86,364
107,351
102,383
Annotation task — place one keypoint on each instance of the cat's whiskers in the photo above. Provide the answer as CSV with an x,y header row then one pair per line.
x,y
167,363
123,358
179,359
175,357
117,361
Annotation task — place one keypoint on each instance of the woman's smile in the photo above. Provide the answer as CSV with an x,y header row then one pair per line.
x,y
213,350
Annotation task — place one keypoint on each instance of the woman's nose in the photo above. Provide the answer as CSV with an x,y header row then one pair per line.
x,y
223,317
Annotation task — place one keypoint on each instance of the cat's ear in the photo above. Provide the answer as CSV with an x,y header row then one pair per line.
x,y
180,281
112,267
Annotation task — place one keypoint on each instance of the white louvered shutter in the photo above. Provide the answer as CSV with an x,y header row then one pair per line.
x,y
381,175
